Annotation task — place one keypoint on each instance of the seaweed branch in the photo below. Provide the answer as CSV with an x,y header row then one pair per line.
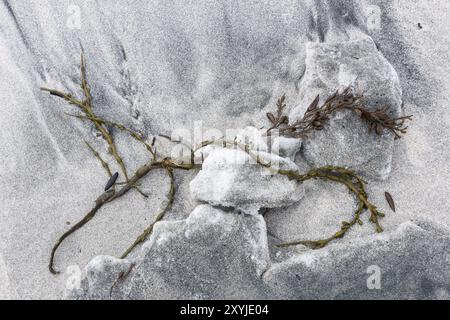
x,y
86,107
278,119
103,199
354,183
356,186
103,162
138,137
317,116
159,217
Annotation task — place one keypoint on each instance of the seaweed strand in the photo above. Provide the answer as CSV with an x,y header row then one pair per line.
x,y
105,197
119,126
143,236
86,107
316,117
103,162
352,181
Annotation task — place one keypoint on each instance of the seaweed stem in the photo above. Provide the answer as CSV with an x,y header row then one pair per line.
x,y
143,236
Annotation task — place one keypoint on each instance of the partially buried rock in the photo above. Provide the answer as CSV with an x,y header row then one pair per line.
x,y
286,147
212,254
231,178
345,141
405,263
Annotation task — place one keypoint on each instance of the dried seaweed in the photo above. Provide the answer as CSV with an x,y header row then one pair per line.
x,y
159,217
105,198
279,118
316,117
135,135
85,106
354,183
105,165
356,186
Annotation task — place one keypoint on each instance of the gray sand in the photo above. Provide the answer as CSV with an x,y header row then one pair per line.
x,y
224,64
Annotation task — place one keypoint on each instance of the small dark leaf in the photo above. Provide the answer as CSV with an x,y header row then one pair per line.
x,y
390,200
314,104
271,117
330,98
111,181
284,120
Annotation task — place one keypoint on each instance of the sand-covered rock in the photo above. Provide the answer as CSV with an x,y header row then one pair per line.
x,y
344,140
286,147
101,275
410,262
212,254
232,178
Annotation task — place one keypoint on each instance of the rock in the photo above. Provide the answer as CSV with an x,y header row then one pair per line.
x,y
231,178
412,262
211,254
286,147
101,275
345,141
